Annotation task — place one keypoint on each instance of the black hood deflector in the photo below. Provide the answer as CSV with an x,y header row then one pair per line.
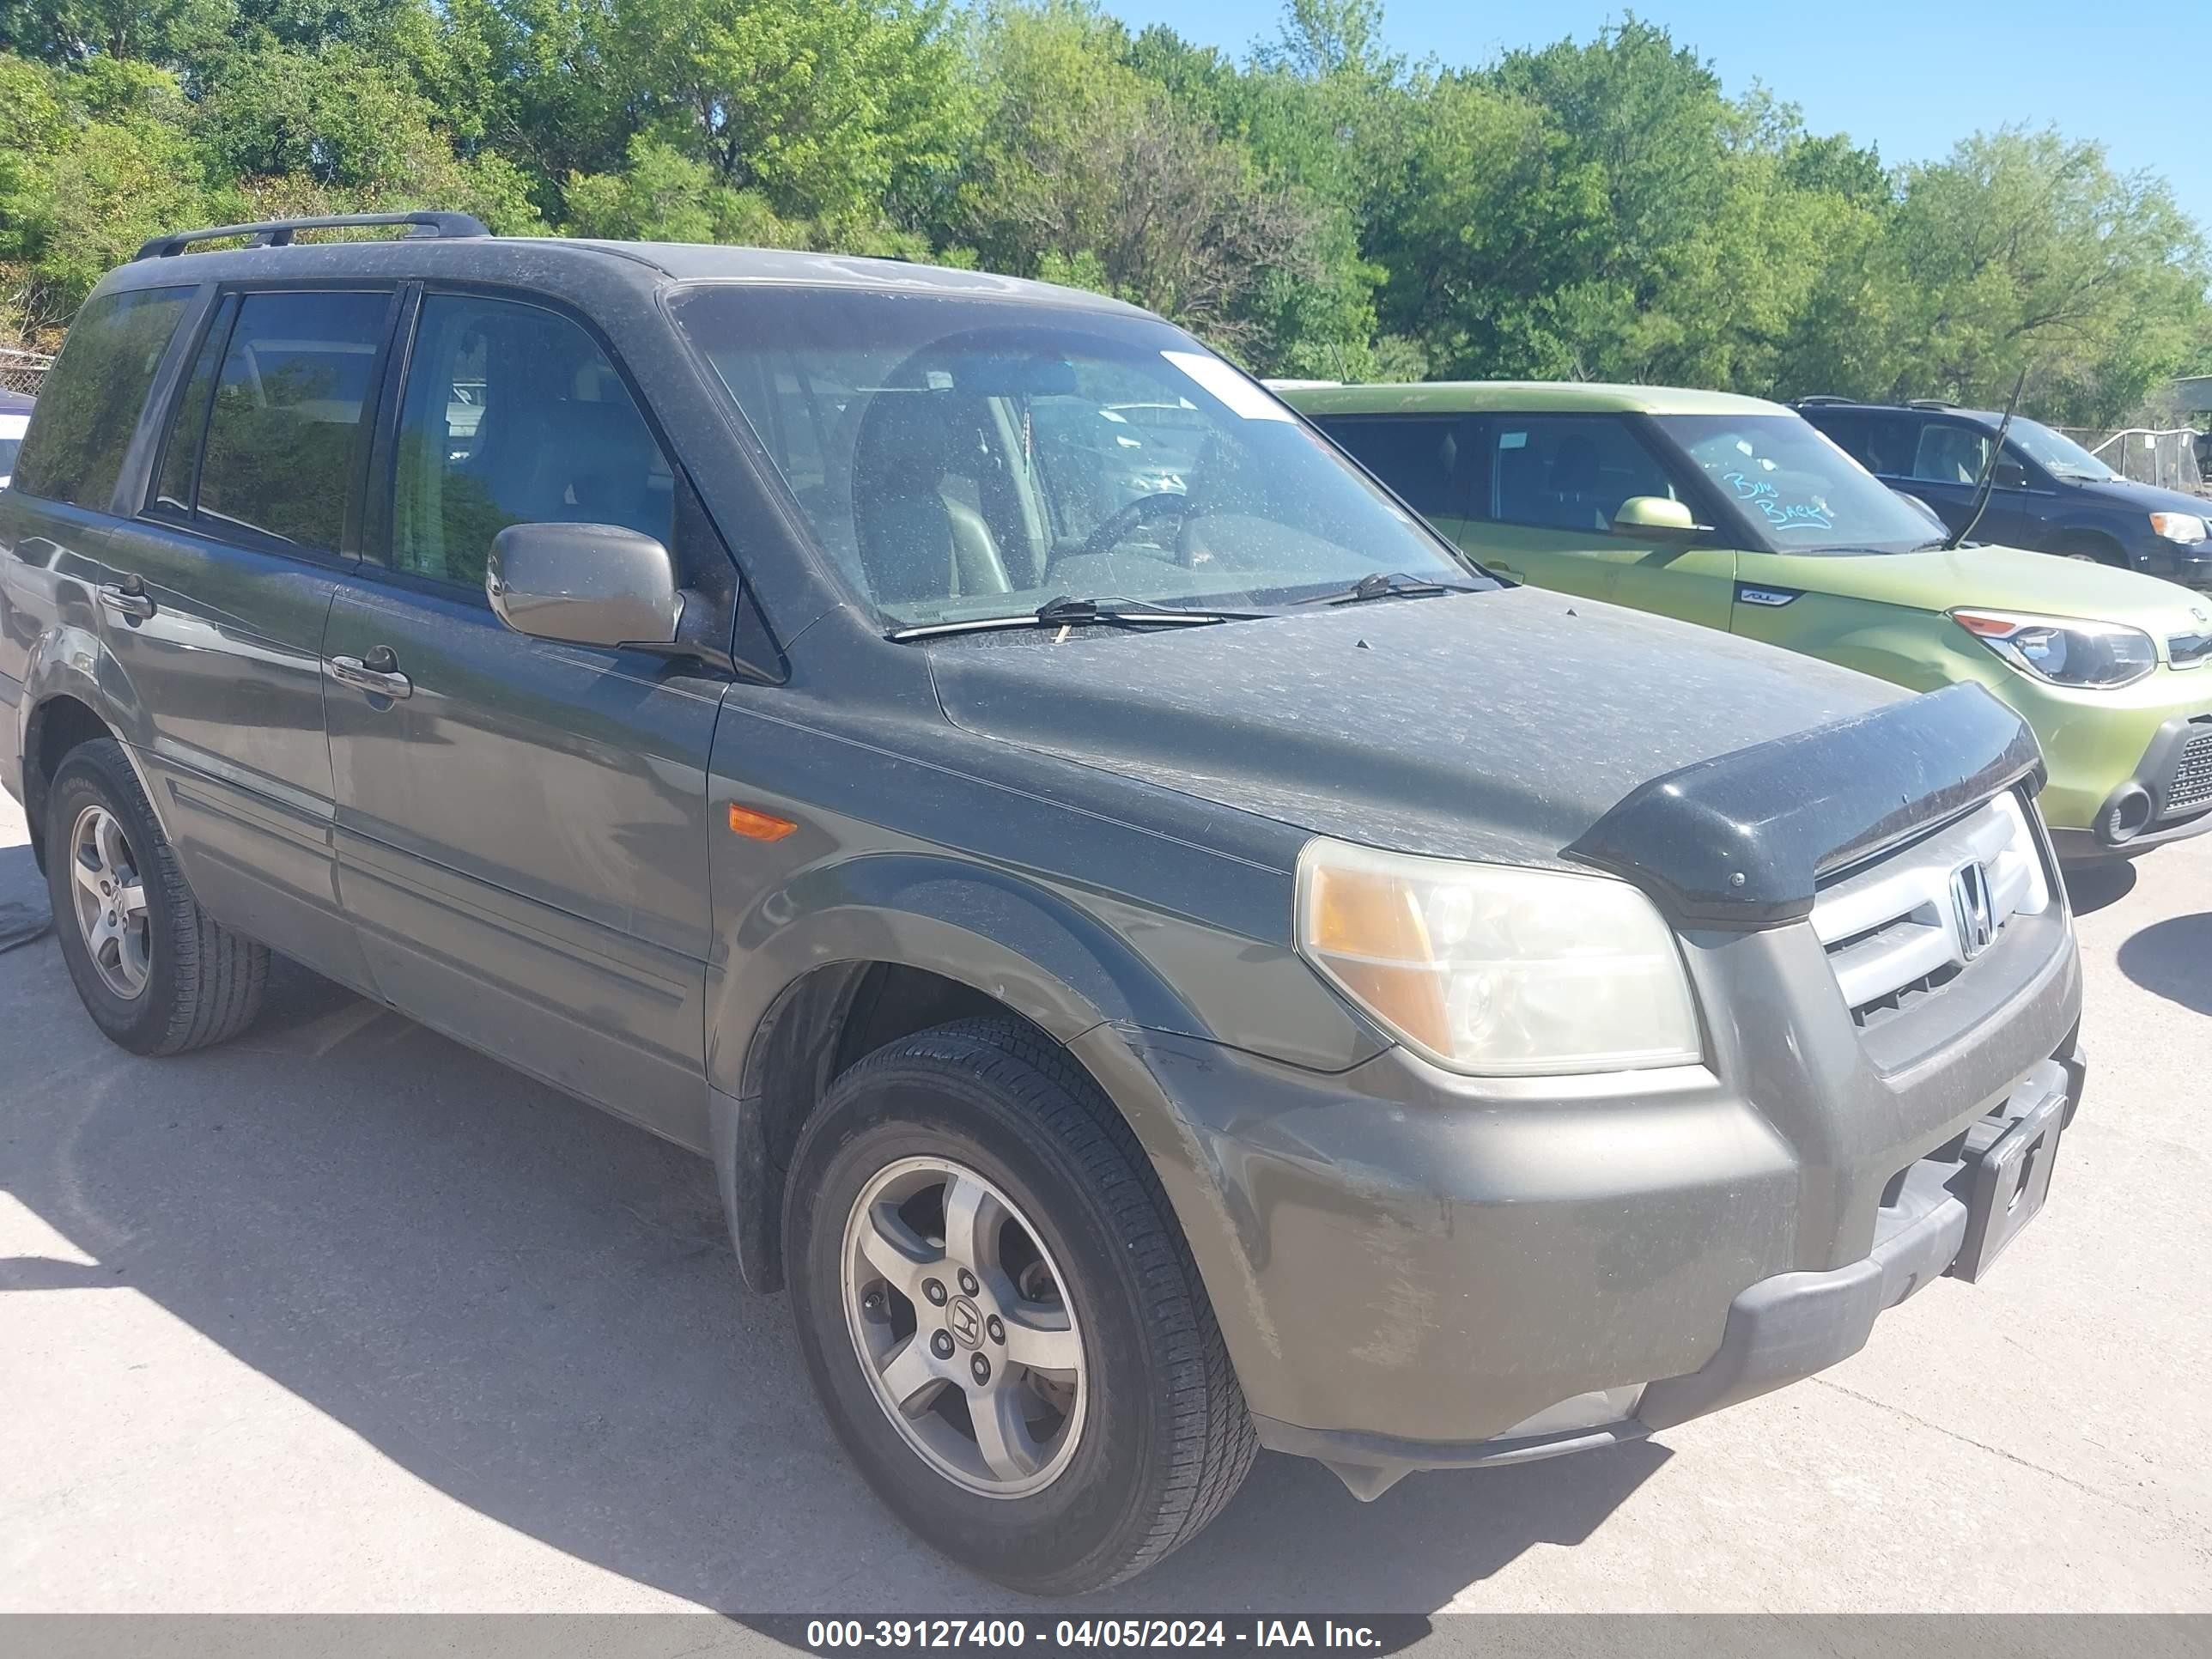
x,y
1741,840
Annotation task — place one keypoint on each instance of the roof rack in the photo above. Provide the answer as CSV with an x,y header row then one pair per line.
x,y
278,233
1824,398
1929,402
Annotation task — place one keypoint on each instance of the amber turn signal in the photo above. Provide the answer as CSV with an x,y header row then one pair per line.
x,y
759,826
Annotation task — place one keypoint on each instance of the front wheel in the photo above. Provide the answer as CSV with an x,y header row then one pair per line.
x,y
1004,1325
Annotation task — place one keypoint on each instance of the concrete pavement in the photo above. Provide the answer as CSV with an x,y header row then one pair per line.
x,y
343,1317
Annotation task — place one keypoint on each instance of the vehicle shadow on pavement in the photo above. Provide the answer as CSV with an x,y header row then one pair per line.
x,y
2091,887
532,1307
2174,959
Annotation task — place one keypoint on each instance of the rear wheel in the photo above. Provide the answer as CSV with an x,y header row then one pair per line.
x,y
157,973
1005,1327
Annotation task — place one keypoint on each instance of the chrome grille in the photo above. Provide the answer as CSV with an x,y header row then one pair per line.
x,y
1900,929
2191,786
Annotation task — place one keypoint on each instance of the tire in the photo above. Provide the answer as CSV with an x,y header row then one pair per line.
x,y
2092,550
196,982
1156,1440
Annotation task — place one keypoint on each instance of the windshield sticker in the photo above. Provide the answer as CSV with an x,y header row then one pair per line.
x,y
1242,397
1513,440
1783,515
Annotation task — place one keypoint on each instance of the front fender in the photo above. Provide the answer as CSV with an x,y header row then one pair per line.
x,y
1077,965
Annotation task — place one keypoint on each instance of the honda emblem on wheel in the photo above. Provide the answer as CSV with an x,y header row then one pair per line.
x,y
1970,903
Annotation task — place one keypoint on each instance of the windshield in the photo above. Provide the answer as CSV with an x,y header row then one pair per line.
x,y
2058,453
963,458
1796,490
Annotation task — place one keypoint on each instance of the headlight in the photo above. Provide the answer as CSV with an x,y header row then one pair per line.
x,y
2063,651
1497,971
2179,526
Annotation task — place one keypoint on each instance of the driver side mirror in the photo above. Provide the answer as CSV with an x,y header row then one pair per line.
x,y
1658,517
2009,475
584,584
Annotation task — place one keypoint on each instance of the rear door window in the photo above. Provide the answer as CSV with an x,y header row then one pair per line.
x,y
1429,459
266,440
1568,471
89,407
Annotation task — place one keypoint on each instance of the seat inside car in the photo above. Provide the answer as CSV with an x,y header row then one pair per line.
x,y
916,511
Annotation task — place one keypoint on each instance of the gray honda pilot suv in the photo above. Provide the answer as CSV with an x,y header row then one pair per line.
x,y
1167,957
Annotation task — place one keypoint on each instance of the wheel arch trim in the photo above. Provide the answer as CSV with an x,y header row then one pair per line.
x,y
801,951
69,661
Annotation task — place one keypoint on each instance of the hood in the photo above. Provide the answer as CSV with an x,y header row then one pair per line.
x,y
2125,493
1999,578
1498,726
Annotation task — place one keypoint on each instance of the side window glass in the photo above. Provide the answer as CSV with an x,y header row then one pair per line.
x,y
283,452
513,415
1569,472
1889,445
180,448
1426,460
1950,454
90,404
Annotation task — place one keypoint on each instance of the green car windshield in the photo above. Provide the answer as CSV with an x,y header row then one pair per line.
x,y
963,458
1796,492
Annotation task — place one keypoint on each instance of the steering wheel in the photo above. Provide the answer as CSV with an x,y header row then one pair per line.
x,y
1117,526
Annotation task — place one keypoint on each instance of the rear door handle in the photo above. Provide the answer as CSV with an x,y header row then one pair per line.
x,y
127,598
378,676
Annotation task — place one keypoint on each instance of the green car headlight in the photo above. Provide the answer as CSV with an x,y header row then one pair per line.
x,y
2064,650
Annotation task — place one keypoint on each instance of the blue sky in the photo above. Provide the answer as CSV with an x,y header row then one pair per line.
x,y
1912,79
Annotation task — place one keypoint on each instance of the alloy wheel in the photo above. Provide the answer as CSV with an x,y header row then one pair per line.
x,y
111,902
964,1327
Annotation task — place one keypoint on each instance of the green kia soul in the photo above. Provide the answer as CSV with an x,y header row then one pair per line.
x,y
1737,514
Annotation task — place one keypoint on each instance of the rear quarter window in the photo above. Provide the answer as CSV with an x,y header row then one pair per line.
x,y
89,405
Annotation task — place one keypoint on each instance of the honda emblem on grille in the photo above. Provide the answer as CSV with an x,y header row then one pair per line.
x,y
1970,903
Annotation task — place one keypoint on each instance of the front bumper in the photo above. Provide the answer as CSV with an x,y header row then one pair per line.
x,y
2168,797
2189,563
1790,1326
2097,743
1408,1266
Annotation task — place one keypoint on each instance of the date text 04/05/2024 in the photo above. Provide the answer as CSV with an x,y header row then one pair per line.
x,y
832,1635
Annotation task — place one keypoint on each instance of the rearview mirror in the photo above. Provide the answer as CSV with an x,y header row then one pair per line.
x,y
1658,517
2009,475
584,584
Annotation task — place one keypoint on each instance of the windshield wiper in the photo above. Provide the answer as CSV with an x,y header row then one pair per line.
x,y
1069,612
1396,586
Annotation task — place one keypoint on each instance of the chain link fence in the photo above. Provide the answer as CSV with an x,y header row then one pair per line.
x,y
23,371
2165,456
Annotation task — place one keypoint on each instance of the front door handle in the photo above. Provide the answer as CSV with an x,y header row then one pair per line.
x,y
128,597
378,675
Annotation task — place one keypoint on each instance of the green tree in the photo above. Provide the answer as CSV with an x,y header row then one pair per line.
x,y
99,160
837,110
2019,251
1086,171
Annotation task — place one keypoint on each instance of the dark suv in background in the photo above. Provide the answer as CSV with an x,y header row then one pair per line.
x,y
1166,957
2048,493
